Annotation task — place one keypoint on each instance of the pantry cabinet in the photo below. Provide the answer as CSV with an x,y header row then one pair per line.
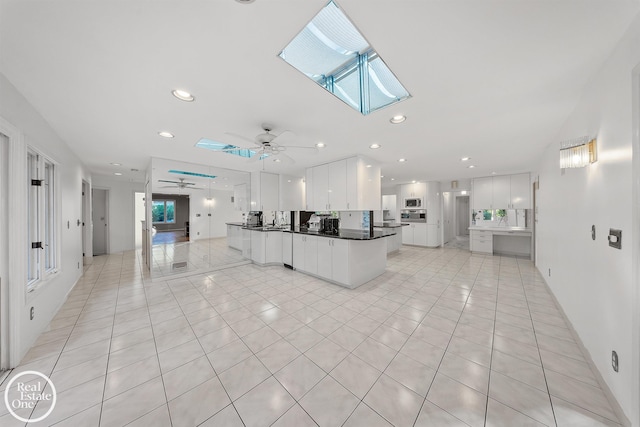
x,y
264,191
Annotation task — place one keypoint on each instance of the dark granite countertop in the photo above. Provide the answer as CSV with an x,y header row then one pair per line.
x,y
389,224
266,228
346,233
239,224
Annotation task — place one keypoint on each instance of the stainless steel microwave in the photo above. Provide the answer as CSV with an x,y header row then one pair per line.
x,y
413,203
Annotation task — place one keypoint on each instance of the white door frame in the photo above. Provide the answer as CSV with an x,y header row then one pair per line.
x,y
635,240
13,288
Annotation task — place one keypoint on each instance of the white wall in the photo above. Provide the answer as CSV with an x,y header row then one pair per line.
x,y
592,281
222,211
48,298
121,211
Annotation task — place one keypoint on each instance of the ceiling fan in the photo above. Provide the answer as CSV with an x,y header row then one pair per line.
x,y
180,185
268,144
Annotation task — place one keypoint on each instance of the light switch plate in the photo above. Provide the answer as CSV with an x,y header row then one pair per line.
x,y
615,238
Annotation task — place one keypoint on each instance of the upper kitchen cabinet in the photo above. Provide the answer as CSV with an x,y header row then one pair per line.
x,y
292,193
414,190
502,192
264,191
350,184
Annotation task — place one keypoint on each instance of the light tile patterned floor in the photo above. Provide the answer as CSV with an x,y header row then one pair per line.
x,y
442,338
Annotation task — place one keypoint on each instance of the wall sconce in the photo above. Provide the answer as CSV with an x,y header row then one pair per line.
x,y
578,152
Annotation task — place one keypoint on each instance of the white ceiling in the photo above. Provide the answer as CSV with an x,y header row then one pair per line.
x,y
492,80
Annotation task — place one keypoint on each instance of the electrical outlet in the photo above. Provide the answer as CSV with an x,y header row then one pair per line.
x,y
614,360
32,313
549,272
78,265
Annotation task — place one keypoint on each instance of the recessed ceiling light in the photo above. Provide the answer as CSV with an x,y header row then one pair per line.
x,y
493,173
183,95
368,166
464,159
375,146
471,166
320,145
393,179
381,176
288,180
165,134
116,164
397,119
245,1
276,160
117,173
413,182
402,160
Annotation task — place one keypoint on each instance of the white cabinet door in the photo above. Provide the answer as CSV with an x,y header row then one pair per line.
x,y
432,202
433,235
501,192
291,193
308,189
420,234
298,252
340,261
352,183
482,193
337,189
287,248
407,235
320,188
273,247
311,254
324,257
520,190
246,243
257,246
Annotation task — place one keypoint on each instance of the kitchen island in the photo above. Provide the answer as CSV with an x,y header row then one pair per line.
x,y
513,241
394,241
349,258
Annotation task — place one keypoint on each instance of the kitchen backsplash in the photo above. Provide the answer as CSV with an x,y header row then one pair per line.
x,y
504,218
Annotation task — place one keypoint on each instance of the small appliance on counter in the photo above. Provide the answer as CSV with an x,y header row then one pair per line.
x,y
387,216
413,215
331,226
254,219
315,223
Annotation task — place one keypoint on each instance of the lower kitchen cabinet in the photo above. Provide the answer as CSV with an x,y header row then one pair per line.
x,y
305,253
349,263
287,249
481,241
415,234
333,259
266,247
234,236
433,235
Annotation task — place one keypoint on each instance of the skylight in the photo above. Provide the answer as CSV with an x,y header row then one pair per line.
x,y
227,148
332,52
201,175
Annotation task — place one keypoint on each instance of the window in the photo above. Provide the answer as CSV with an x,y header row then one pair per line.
x,y
163,211
42,218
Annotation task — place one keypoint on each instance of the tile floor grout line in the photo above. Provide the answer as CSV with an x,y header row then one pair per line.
x,y
445,350
493,339
544,373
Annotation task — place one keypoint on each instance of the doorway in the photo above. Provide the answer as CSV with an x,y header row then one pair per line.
x,y
138,217
462,216
99,217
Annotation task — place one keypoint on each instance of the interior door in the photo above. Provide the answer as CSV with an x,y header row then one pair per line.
x,y
462,214
99,218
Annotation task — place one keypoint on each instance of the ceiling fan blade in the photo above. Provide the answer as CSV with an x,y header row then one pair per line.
x,y
247,142
284,136
302,147
255,157
284,157
172,182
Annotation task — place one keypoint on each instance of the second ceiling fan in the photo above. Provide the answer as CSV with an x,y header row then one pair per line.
x,y
267,144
